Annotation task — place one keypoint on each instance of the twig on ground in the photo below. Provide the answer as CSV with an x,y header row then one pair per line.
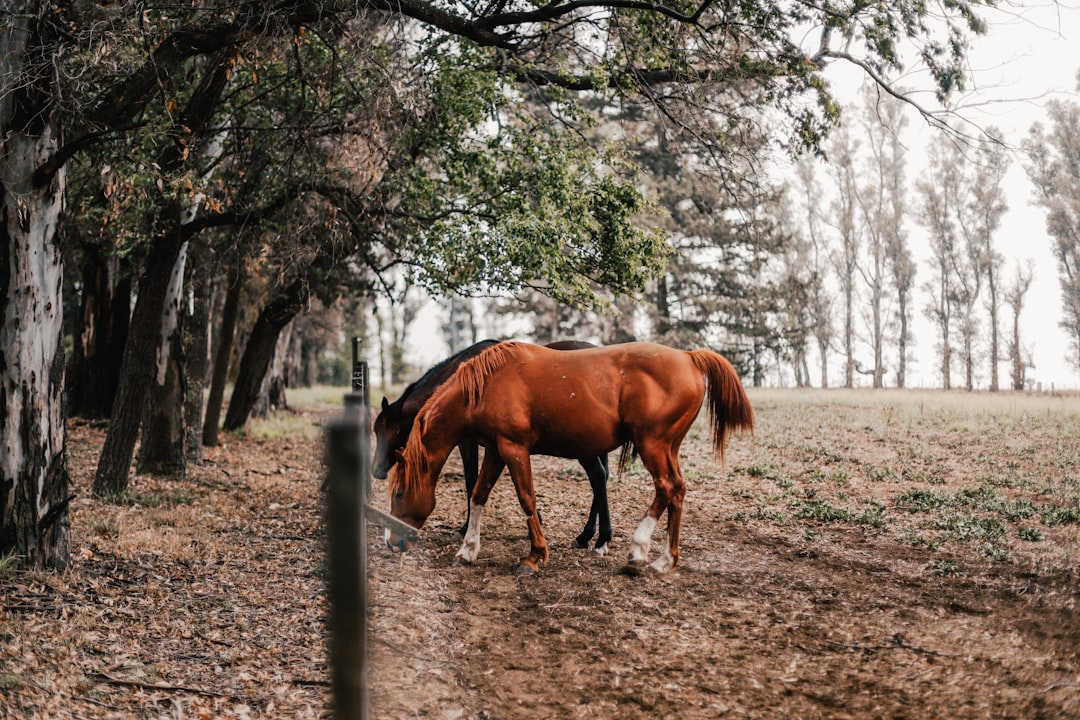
x,y
159,686
897,643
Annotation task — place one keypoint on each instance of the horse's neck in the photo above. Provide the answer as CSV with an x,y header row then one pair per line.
x,y
446,427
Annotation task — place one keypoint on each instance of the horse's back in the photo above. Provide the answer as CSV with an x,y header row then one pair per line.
x,y
591,400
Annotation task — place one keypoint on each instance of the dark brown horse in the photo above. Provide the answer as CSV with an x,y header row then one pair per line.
x,y
521,400
395,420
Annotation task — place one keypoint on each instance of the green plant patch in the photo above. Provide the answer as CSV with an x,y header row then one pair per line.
x,y
9,566
1059,515
822,511
944,568
923,500
1031,534
151,499
970,527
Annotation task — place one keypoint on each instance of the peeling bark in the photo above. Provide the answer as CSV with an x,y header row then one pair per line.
x,y
34,483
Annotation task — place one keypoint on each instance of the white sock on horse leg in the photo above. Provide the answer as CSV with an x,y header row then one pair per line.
x,y
470,547
639,543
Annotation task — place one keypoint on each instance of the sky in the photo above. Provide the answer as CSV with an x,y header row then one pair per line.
x,y
1029,55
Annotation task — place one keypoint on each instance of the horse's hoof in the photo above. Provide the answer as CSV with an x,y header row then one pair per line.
x,y
601,550
633,569
581,542
459,560
525,570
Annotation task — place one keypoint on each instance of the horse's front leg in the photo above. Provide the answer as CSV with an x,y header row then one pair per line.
x,y
520,465
470,461
489,473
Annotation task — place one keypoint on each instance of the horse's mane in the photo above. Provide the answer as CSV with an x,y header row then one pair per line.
x,y
408,473
435,370
474,372
471,375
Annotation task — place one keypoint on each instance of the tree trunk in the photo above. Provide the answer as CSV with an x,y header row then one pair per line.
x,y
849,340
34,482
823,351
137,366
260,351
98,337
278,375
227,334
995,338
197,348
161,451
271,396
902,344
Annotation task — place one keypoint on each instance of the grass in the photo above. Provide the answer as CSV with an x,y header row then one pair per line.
x,y
132,498
9,566
988,474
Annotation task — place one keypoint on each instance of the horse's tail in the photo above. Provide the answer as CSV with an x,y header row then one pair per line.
x,y
627,453
729,407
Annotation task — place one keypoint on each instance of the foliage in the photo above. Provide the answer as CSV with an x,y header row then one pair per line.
x,y
410,124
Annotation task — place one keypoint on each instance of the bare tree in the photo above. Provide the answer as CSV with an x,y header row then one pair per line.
x,y
1052,167
821,299
845,257
986,207
938,217
881,201
886,122
1014,298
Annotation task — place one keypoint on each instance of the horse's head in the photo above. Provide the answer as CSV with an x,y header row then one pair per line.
x,y
391,432
412,494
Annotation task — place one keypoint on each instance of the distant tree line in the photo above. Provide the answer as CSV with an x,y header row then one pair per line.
x,y
822,263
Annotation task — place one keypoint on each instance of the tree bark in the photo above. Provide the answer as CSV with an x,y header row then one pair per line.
x,y
197,349
161,451
98,337
34,482
277,379
229,315
137,366
260,351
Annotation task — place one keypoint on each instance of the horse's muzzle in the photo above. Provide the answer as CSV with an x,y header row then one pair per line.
x,y
395,542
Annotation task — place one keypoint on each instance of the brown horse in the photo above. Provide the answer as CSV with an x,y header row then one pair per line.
x,y
395,420
520,399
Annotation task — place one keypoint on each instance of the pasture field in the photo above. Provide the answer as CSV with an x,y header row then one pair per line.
x,y
865,554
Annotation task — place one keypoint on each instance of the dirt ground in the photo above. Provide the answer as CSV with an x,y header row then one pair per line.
x,y
863,555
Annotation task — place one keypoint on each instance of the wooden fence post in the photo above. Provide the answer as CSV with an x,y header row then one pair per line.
x,y
348,447
348,485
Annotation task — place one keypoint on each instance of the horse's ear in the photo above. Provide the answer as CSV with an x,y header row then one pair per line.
x,y
385,402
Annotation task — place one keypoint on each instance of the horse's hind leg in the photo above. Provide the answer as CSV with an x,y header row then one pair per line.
x,y
669,557
597,470
669,493
489,473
